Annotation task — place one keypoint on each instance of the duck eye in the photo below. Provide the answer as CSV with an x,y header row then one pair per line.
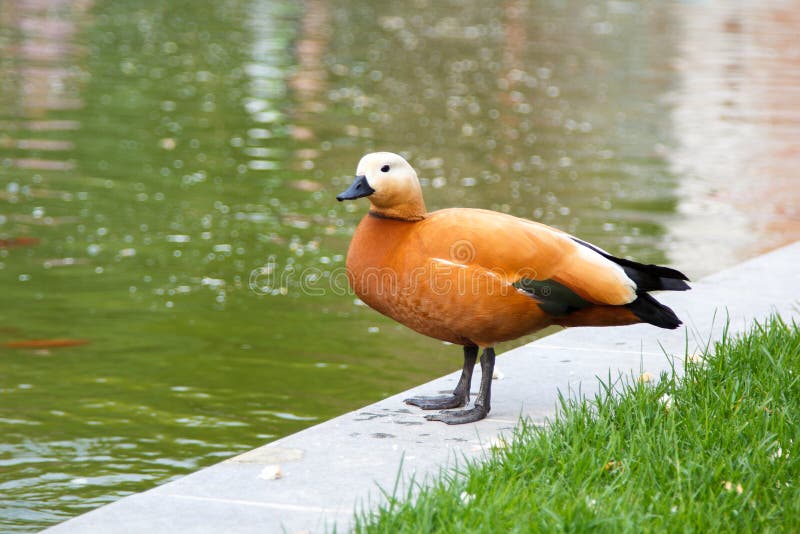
x,y
385,168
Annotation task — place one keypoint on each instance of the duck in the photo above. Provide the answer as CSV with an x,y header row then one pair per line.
x,y
475,277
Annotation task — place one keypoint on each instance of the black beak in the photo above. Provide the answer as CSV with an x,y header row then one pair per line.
x,y
359,188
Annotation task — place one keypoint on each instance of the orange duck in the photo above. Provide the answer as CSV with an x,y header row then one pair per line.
x,y
475,277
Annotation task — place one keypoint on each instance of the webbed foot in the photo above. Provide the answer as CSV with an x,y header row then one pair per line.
x,y
482,402
437,402
459,417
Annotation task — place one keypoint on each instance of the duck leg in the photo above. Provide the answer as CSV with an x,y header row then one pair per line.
x,y
460,396
482,401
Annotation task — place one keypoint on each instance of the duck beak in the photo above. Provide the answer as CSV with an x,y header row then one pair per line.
x,y
359,188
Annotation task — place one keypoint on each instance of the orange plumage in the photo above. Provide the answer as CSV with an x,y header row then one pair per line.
x,y
477,277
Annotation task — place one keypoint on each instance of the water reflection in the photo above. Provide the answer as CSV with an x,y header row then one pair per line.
x,y
735,115
39,72
167,182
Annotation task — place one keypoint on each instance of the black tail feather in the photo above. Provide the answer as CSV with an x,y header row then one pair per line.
x,y
669,284
649,310
652,277
647,277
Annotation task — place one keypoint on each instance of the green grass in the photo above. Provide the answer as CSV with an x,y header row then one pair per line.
x,y
712,450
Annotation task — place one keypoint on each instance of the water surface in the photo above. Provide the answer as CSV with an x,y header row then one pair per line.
x,y
167,183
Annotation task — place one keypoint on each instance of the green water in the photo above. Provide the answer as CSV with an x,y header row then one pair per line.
x,y
178,167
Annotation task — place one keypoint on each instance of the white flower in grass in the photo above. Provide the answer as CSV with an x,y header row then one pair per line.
x,y
498,442
666,401
728,485
696,358
647,377
466,498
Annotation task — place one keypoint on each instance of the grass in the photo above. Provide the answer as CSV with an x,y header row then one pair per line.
x,y
711,449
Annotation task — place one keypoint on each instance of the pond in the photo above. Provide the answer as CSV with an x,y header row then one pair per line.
x,y
171,252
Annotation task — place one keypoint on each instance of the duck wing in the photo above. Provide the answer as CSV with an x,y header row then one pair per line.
x,y
561,273
518,249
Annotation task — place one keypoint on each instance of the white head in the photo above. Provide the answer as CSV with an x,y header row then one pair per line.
x,y
390,184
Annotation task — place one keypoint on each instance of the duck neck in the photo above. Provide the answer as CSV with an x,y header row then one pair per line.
x,y
407,211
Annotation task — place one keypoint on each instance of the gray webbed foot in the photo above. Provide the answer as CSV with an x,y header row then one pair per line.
x,y
482,402
459,417
437,402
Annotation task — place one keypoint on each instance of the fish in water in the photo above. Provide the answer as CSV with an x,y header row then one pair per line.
x,y
44,343
16,242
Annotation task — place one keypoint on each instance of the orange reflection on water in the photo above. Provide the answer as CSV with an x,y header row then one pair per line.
x,y
38,76
737,120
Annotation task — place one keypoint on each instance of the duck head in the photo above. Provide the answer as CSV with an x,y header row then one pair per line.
x,y
390,184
